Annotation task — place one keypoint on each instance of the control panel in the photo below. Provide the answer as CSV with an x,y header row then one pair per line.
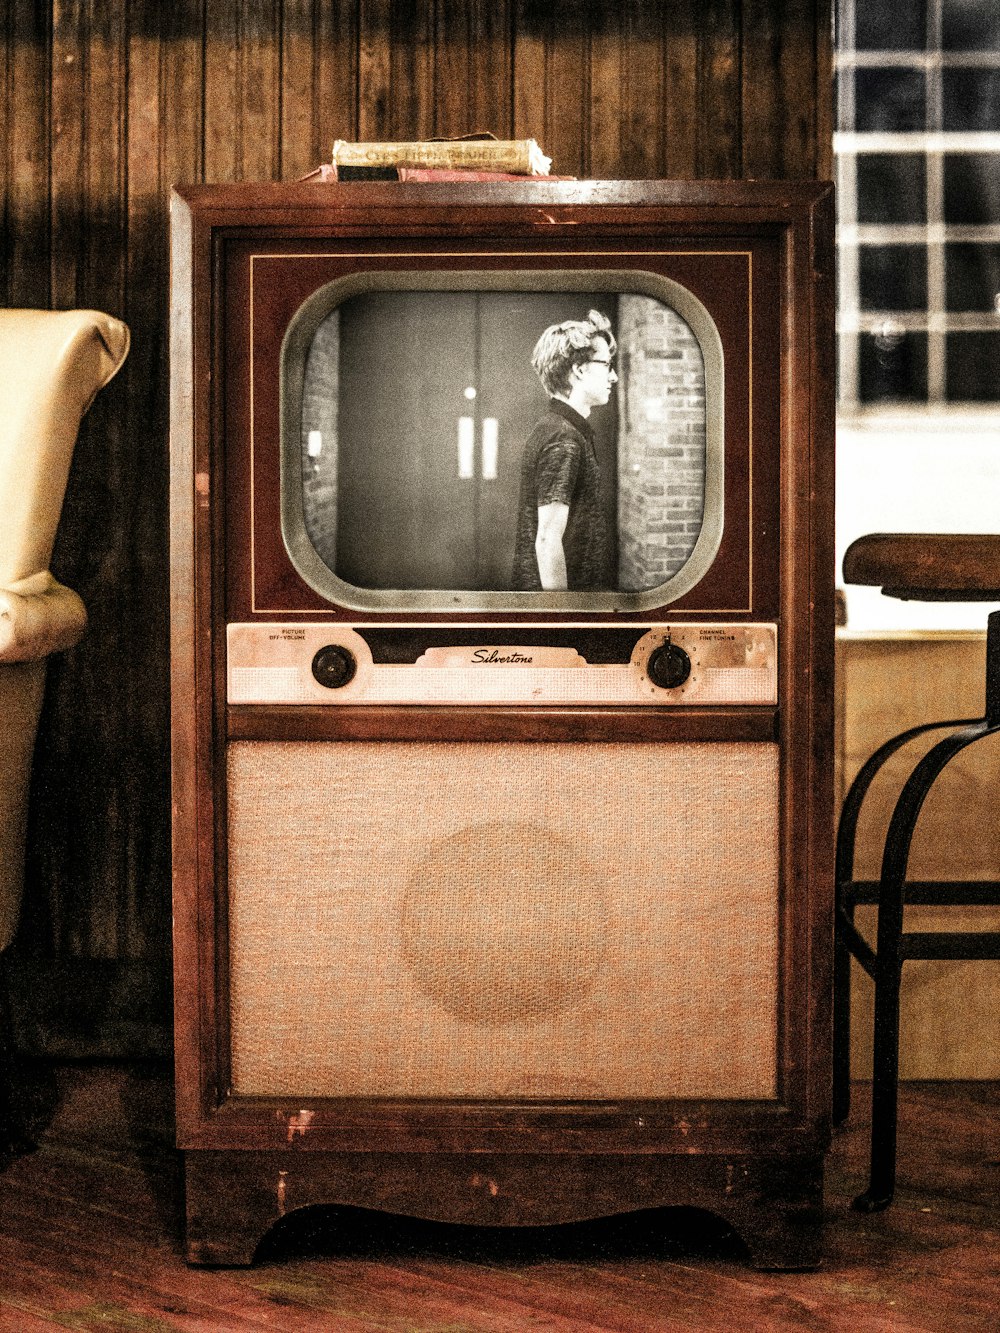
x,y
675,665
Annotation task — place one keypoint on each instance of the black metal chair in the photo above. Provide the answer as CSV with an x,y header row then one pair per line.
x,y
918,567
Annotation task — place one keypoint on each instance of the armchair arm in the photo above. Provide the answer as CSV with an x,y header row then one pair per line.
x,y
38,616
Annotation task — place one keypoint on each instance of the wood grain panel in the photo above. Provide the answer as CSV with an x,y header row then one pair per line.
x,y
552,82
396,70
68,99
718,93
681,73
24,136
472,74
242,92
779,72
319,71
641,139
106,105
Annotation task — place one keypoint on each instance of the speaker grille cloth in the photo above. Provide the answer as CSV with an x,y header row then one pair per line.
x,y
503,920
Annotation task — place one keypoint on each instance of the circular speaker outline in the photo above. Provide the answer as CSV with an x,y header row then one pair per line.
x,y
479,971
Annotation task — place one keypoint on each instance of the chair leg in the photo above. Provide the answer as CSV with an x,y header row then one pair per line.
x,y
889,962
842,1023
844,875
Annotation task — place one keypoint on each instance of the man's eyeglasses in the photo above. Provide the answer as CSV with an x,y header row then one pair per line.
x,y
609,366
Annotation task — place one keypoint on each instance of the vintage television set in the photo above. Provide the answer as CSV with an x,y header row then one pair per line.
x,y
496,900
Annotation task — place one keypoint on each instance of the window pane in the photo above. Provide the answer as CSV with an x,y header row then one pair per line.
x,y
893,367
970,25
971,99
901,26
973,276
972,187
973,371
892,277
891,188
889,99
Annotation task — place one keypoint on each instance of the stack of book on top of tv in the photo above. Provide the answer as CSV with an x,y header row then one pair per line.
x,y
472,158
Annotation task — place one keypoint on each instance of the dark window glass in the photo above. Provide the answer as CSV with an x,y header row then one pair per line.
x,y
892,277
972,187
970,25
893,367
973,367
889,99
901,26
971,99
972,274
891,187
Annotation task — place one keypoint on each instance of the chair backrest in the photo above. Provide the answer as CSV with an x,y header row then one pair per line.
x,y
52,364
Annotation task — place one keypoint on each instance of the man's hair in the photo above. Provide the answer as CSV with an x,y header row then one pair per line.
x,y
563,346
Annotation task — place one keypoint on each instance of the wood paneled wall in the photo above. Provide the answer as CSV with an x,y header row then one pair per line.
x,y
104,104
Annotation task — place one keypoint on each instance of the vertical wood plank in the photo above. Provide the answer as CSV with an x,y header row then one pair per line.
x,y
319,65
644,108
627,113
472,77
552,82
608,76
338,112
243,91
67,155
24,136
396,70
781,88
529,85
680,90
261,90
299,92
719,91
223,128
104,150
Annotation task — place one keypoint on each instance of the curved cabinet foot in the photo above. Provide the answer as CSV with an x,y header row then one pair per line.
x,y
234,1198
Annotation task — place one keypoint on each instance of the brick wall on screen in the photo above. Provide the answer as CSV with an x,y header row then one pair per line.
x,y
661,442
319,419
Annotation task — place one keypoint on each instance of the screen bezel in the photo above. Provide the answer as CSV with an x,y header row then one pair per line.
x,y
294,351
267,278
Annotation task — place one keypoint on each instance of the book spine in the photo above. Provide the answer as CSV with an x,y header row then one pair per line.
x,y
518,156
427,174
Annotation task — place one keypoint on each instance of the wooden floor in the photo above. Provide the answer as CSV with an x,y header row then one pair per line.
x,y
90,1239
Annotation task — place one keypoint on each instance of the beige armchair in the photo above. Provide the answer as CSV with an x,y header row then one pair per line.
x,y
52,364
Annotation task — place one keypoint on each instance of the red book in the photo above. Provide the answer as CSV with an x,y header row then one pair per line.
x,y
328,174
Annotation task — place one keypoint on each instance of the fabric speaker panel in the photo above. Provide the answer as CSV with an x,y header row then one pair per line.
x,y
503,920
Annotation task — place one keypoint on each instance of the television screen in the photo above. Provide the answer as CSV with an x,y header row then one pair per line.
x,y
476,438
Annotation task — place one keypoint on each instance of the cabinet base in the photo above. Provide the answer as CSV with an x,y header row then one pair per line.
x,y
235,1197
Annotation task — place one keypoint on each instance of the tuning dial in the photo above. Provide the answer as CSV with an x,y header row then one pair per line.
x,y
668,666
334,666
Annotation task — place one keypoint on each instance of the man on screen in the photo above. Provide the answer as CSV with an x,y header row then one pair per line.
x,y
562,536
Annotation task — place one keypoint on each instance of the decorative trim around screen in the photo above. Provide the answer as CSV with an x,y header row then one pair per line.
x,y
314,391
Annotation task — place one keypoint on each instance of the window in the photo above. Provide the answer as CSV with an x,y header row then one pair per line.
x,y
918,175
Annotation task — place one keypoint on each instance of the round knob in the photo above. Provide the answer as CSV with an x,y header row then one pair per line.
x,y
334,666
668,666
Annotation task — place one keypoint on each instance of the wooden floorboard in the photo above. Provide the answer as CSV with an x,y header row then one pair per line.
x,y
90,1238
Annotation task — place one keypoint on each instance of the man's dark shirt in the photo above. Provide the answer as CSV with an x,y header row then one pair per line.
x,y
560,467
